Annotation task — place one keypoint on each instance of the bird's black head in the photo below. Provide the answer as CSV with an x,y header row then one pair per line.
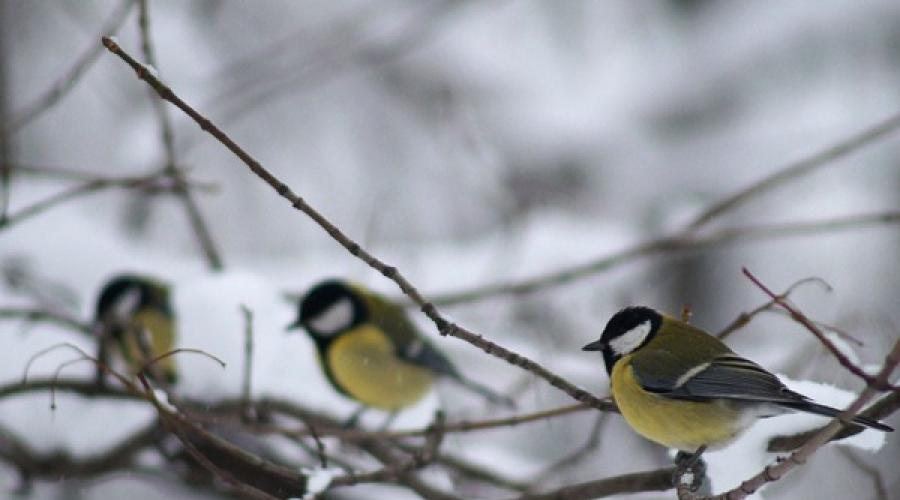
x,y
627,331
125,294
328,308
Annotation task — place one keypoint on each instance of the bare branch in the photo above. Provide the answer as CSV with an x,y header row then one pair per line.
x,y
67,81
575,457
37,315
801,318
248,365
744,318
396,469
794,170
454,427
79,174
668,246
443,326
191,350
150,183
657,480
59,464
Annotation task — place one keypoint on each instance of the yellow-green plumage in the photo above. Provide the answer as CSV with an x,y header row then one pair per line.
x,y
136,324
370,350
161,332
683,388
674,423
685,425
364,364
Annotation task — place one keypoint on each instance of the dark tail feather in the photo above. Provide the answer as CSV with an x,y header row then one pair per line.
x,y
828,411
486,392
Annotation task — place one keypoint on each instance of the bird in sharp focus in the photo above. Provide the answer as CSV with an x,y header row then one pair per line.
x,y
683,388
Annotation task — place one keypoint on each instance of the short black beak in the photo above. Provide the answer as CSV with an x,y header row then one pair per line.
x,y
594,346
295,325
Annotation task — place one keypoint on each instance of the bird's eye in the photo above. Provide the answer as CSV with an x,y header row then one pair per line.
x,y
631,339
336,317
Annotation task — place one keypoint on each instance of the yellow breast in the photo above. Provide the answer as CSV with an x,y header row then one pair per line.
x,y
685,425
364,364
162,340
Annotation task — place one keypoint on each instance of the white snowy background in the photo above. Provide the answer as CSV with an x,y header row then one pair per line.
x,y
466,143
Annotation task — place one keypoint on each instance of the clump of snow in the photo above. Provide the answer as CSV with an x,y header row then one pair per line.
x,y
318,479
747,456
163,399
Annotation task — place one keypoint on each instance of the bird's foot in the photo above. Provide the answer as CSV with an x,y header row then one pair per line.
x,y
690,469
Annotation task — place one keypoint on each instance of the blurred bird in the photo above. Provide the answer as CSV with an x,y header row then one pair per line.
x,y
681,387
135,322
370,351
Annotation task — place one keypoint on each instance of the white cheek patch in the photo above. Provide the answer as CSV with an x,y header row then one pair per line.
x,y
334,319
126,305
630,340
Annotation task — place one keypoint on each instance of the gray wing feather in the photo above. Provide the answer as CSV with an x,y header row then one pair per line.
x,y
420,352
728,377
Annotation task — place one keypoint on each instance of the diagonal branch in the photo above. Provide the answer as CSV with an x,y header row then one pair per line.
x,y
657,480
444,326
794,170
801,318
667,245
151,183
67,81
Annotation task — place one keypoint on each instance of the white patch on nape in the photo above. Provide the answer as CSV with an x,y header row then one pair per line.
x,y
126,304
630,340
337,317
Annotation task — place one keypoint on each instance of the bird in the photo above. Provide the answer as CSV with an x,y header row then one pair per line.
x,y
371,352
135,322
683,388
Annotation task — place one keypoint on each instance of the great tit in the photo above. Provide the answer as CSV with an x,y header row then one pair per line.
x,y
369,349
135,322
681,387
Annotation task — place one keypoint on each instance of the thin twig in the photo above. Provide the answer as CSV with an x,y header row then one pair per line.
x,y
84,175
797,169
320,447
444,326
455,427
244,463
248,362
67,81
59,464
151,183
801,318
567,462
195,218
36,315
393,471
745,317
657,480
668,246
173,352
